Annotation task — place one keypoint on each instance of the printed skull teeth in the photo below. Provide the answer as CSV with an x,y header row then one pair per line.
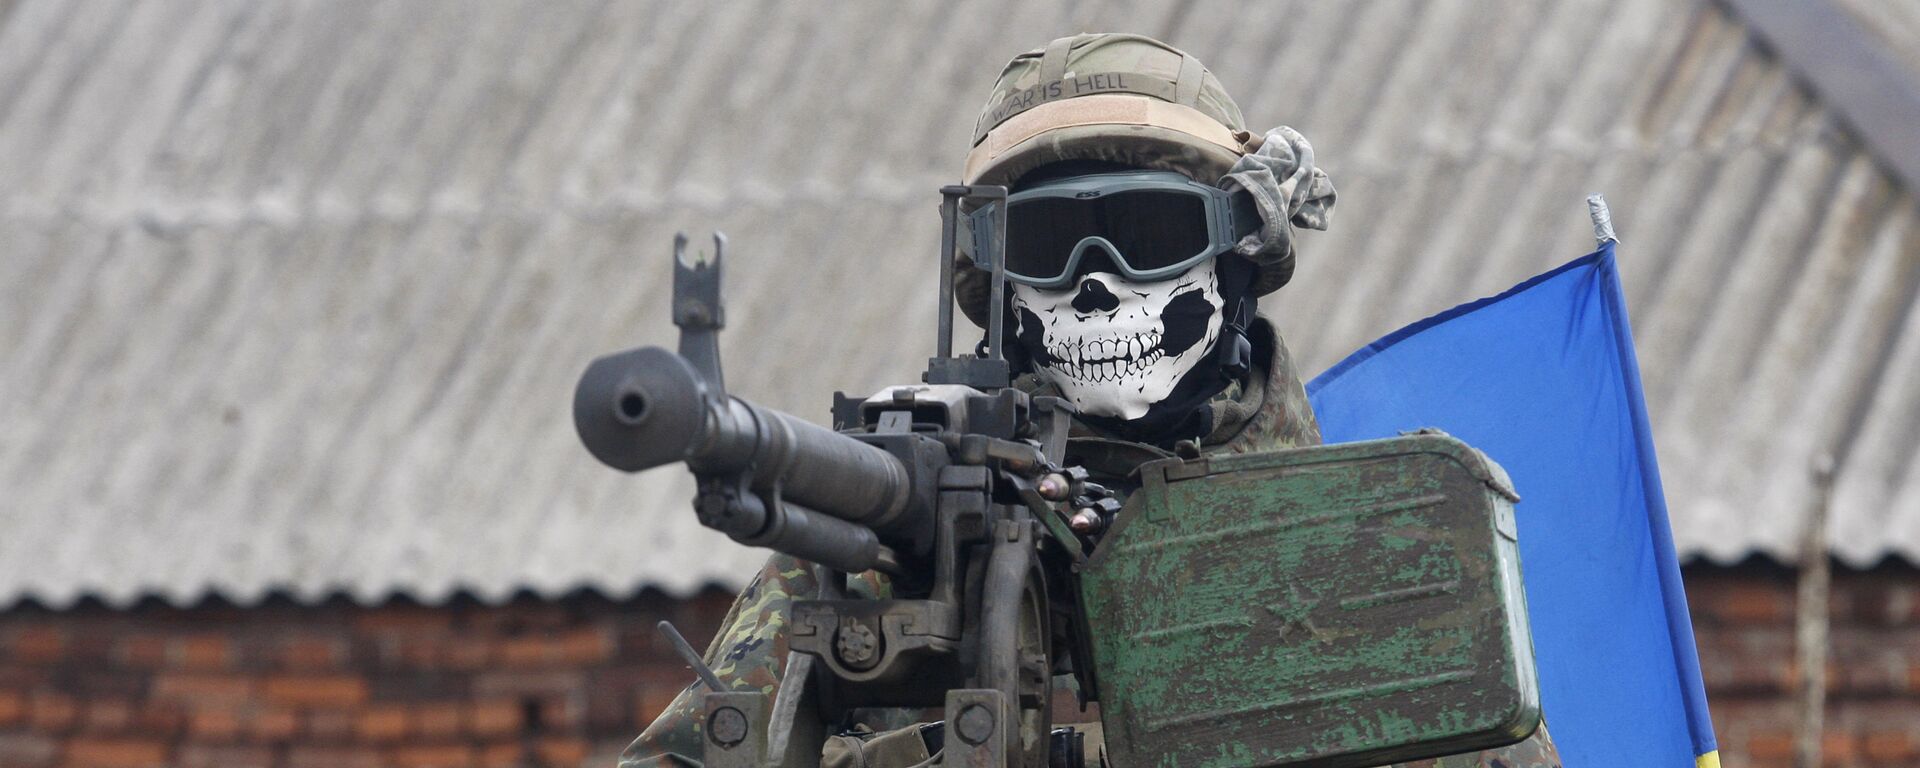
x,y
1108,360
1116,347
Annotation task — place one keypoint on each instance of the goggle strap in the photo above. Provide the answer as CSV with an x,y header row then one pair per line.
x,y
1246,214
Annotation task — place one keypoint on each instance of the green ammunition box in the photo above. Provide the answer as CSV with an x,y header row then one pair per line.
x,y
1342,605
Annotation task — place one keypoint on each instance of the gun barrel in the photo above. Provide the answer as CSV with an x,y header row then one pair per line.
x,y
646,407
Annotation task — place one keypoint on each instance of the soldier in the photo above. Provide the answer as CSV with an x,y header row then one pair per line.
x,y
1143,224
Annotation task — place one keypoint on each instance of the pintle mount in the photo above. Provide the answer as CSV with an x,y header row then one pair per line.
x,y
992,371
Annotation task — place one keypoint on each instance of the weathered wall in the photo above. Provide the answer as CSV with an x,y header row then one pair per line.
x,y
528,683
1743,622
570,682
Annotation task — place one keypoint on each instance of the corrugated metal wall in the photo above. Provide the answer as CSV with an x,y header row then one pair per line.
x,y
294,294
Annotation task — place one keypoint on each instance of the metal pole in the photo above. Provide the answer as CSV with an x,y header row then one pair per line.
x,y
1810,620
997,326
949,226
692,658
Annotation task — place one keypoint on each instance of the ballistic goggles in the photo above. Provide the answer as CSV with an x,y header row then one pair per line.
x,y
1152,225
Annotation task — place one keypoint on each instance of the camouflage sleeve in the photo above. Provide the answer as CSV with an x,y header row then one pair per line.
x,y
1535,751
748,652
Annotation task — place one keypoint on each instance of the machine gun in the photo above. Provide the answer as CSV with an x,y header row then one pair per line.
x,y
954,489
960,491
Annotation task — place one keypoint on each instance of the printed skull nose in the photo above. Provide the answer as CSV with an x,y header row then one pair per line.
x,y
1094,297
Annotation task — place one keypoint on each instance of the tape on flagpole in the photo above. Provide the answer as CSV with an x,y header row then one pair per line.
x,y
1602,220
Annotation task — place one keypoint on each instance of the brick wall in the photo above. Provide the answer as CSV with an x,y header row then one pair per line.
x,y
570,682
1743,622
529,683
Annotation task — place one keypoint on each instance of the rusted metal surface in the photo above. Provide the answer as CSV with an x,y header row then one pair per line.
x,y
1352,604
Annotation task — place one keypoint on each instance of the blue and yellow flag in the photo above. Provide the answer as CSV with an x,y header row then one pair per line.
x,y
1543,379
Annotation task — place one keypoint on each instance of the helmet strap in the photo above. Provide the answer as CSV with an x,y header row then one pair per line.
x,y
1234,351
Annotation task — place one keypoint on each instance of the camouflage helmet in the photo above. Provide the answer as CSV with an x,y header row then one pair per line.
x,y
1118,98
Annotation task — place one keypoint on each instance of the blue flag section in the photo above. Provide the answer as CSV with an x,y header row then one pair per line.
x,y
1543,379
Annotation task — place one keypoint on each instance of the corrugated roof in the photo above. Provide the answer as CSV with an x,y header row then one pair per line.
x,y
294,294
1895,26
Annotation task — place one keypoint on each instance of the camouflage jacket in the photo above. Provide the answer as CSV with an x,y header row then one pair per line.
x,y
1268,412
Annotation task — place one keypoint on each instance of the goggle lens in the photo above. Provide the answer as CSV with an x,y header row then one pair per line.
x,y
1041,234
1155,230
1151,229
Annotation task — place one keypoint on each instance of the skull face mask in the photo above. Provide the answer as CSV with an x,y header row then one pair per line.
x,y
1114,346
